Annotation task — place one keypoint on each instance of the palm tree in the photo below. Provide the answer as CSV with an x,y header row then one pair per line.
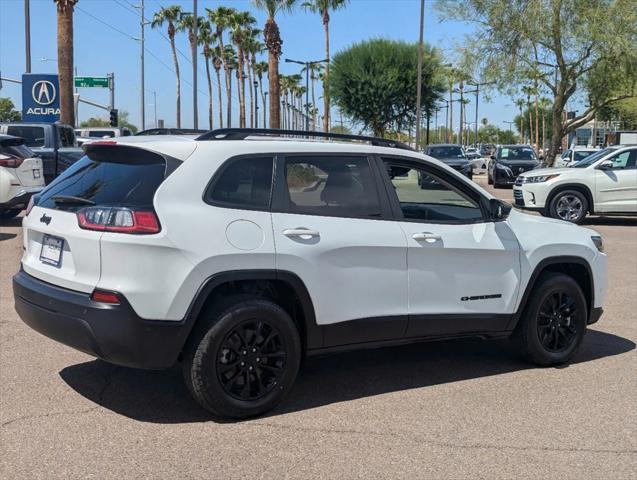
x,y
217,61
240,24
65,59
252,46
273,43
283,91
230,61
205,39
259,69
323,8
220,17
186,23
170,16
315,70
520,104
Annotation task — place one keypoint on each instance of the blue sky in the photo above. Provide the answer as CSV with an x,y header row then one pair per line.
x,y
100,49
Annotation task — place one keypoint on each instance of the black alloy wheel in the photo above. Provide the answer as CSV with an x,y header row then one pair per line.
x,y
555,327
251,360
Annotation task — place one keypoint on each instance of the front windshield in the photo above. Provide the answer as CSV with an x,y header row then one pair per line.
x,y
446,152
591,158
517,153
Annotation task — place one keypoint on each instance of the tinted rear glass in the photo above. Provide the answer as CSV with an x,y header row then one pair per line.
x,y
19,151
581,155
244,183
33,136
101,133
446,152
105,183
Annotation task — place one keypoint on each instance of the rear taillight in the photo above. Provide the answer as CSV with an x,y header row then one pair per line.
x,y
10,161
105,297
30,206
118,219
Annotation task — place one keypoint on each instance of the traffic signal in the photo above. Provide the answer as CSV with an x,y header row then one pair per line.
x,y
113,117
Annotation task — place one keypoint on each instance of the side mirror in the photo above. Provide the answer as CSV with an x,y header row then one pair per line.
x,y
606,165
499,210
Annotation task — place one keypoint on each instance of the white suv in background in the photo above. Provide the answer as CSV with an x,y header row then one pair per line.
x,y
604,183
237,254
21,176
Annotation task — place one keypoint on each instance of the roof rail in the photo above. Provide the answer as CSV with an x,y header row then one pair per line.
x,y
243,133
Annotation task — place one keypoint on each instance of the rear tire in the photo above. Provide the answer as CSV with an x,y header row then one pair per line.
x,y
554,321
244,359
9,214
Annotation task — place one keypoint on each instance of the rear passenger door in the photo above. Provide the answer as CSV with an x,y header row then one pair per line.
x,y
332,228
616,188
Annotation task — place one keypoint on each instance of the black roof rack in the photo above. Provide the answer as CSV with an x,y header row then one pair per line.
x,y
243,133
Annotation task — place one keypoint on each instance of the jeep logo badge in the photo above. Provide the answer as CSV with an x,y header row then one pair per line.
x,y
45,219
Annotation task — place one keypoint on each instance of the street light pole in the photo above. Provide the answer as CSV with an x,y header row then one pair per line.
x,y
27,35
142,98
419,78
256,104
195,113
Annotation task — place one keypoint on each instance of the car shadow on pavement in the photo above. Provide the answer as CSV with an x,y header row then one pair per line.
x,y
161,397
7,236
610,221
12,222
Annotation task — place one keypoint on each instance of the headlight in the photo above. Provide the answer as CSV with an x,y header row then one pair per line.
x,y
599,243
537,179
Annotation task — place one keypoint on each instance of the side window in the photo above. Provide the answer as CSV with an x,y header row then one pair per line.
x,y
66,137
33,136
425,197
331,186
243,183
625,160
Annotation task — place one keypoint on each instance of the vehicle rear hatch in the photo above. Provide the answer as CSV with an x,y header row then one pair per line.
x,y
29,168
107,187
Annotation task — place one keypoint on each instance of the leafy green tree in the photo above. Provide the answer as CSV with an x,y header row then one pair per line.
x,y
572,48
624,112
341,129
8,113
105,122
374,83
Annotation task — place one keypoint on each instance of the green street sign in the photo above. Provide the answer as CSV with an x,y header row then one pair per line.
x,y
101,82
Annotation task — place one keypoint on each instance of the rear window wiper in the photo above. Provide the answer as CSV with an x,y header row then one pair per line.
x,y
72,200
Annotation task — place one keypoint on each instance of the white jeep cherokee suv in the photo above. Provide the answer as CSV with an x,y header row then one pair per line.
x,y
236,255
603,183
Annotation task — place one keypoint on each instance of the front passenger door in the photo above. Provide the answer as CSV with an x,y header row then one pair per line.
x,y
616,188
463,269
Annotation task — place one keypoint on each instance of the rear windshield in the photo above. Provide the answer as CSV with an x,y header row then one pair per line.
x,y
101,133
592,158
105,183
446,152
578,156
33,136
19,151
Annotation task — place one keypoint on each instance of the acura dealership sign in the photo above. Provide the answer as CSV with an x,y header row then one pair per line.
x,y
40,97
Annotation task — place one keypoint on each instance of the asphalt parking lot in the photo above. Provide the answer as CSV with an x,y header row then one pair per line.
x,y
463,409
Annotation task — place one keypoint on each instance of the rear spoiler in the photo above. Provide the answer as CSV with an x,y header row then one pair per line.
x,y
109,151
11,142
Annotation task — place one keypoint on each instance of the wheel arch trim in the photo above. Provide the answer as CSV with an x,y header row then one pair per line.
x,y
312,333
539,269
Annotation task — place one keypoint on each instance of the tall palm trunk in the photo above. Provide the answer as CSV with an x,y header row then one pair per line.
x,y
326,80
228,78
450,129
250,85
65,59
241,87
263,100
207,57
273,43
313,104
537,122
171,36
218,74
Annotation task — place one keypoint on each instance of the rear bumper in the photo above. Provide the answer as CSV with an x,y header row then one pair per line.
x,y
21,198
114,333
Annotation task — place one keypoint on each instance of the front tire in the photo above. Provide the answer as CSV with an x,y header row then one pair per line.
x,y
245,360
569,205
554,321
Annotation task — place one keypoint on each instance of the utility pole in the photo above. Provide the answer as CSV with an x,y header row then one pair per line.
x,y
419,78
111,88
27,35
142,99
195,113
256,104
477,99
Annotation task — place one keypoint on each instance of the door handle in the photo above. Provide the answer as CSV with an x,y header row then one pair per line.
x,y
303,233
427,237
